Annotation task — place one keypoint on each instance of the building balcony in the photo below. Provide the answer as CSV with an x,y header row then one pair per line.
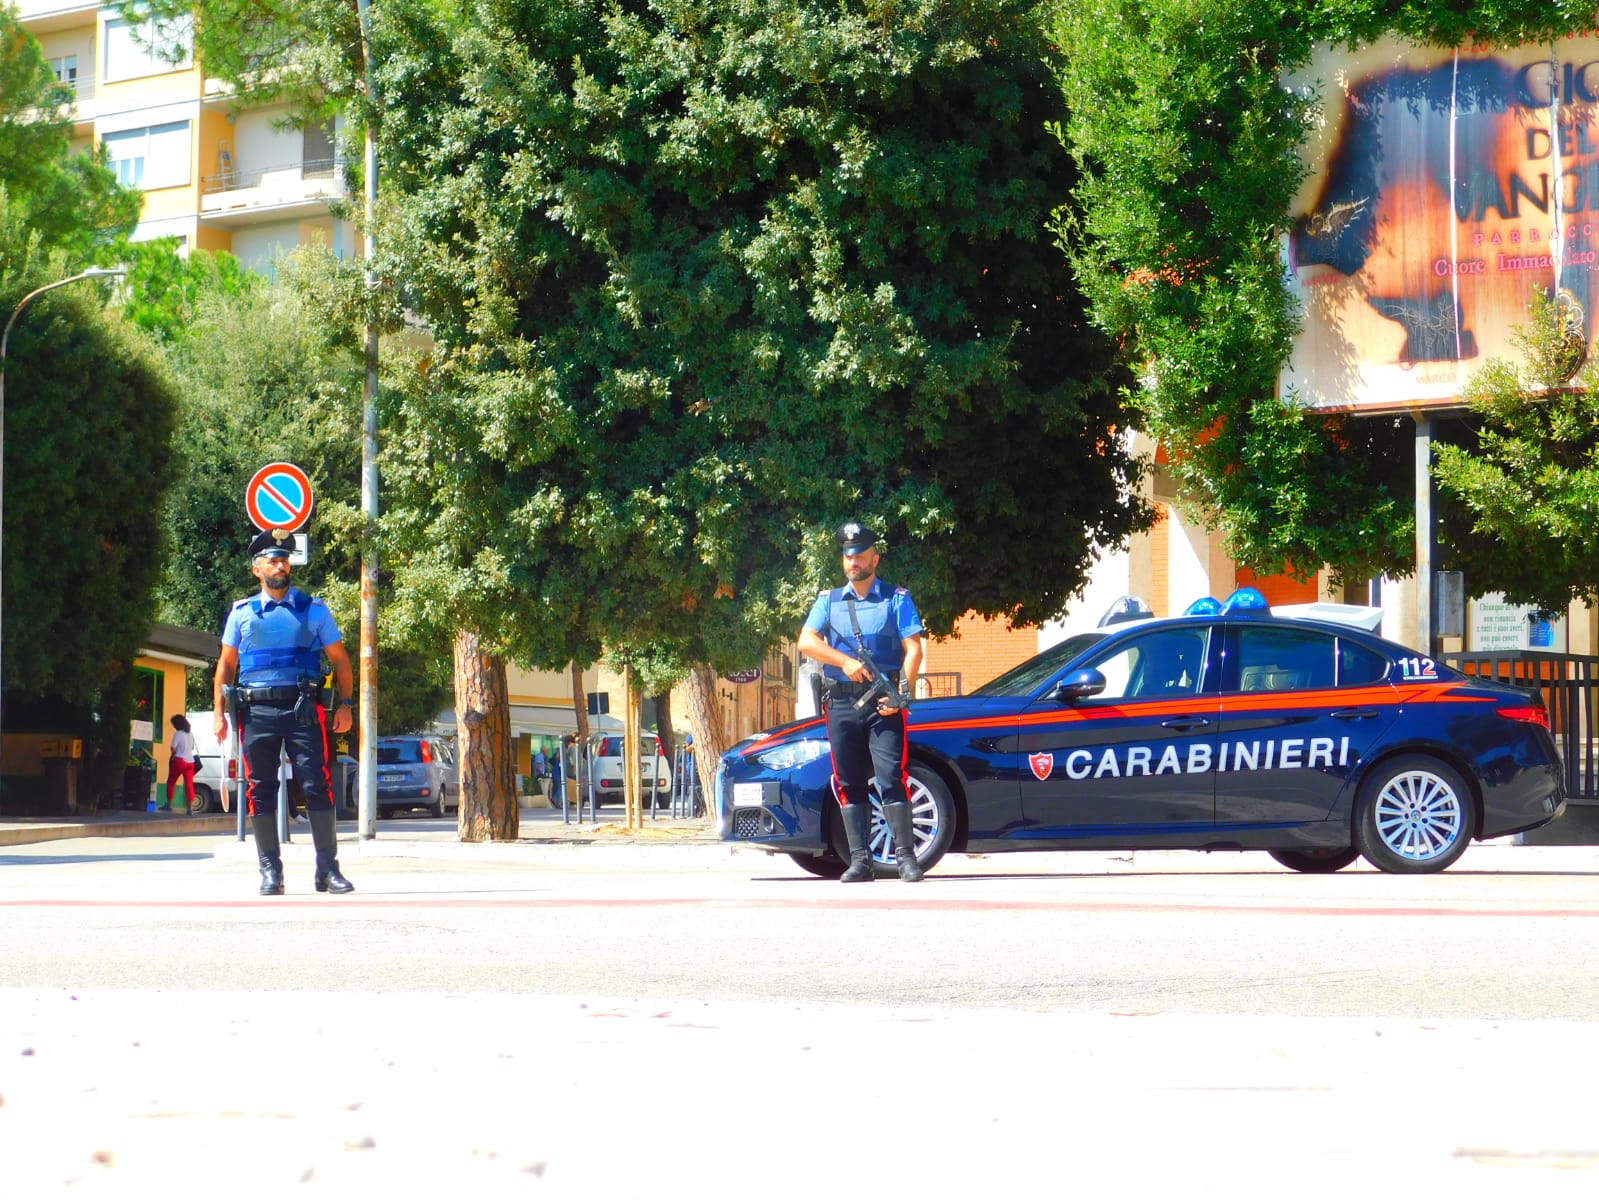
x,y
277,193
46,16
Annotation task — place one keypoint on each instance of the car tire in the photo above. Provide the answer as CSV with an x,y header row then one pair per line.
x,y
1414,816
1316,862
823,866
385,811
205,800
932,814
437,809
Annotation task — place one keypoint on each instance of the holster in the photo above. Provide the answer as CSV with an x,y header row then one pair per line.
x,y
305,707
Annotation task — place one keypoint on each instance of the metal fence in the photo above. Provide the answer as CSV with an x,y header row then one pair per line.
x,y
687,798
684,799
1570,687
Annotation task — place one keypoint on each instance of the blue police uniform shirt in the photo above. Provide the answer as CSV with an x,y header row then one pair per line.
x,y
887,616
280,641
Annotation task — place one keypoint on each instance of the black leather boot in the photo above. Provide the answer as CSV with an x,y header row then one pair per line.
x,y
898,816
269,852
858,829
325,834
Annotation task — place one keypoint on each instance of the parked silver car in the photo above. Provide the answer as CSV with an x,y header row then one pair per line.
x,y
417,771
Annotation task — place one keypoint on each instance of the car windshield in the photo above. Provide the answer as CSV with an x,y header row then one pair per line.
x,y
1032,674
399,752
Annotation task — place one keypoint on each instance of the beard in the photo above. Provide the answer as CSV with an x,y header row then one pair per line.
x,y
277,579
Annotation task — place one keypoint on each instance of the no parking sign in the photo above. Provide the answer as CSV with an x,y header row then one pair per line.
x,y
279,496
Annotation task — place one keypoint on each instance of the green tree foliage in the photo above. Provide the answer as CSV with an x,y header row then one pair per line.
x,y
705,278
1188,147
1527,474
67,201
89,415
303,53
164,287
271,371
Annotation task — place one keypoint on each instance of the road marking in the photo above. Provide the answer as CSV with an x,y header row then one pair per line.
x,y
842,904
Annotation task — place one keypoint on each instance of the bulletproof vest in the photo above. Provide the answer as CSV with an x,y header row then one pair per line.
x,y
303,657
878,630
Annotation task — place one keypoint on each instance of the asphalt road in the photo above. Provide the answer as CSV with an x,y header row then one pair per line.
x,y
618,1021
1158,933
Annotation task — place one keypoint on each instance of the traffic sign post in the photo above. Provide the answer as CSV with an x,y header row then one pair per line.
x,y
279,496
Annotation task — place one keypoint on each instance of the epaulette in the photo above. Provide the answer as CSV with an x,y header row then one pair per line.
x,y
242,603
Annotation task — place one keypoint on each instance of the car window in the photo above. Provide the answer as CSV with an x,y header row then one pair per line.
x,y
611,747
1283,659
1358,664
1035,672
1165,662
399,752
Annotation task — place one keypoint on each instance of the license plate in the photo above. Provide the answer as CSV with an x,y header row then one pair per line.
x,y
747,795
391,778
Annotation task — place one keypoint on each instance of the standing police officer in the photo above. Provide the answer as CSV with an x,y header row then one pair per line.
x,y
273,645
867,617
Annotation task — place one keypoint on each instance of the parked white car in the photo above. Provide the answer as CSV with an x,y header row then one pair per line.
x,y
605,752
212,769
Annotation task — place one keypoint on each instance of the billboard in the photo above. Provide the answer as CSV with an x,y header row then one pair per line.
x,y
1444,186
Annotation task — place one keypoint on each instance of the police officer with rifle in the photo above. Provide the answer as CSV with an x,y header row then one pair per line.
x,y
270,668
868,637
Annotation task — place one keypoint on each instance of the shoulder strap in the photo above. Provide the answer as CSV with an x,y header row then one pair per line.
x,y
854,621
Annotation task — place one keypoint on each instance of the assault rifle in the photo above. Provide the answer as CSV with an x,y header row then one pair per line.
x,y
882,688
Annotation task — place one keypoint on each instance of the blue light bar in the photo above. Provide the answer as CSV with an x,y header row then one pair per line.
x,y
1245,600
1205,606
1127,608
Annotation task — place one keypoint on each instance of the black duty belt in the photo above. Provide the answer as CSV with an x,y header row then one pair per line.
x,y
848,687
278,693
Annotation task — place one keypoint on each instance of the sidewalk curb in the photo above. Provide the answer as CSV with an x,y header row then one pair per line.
x,y
19,834
530,851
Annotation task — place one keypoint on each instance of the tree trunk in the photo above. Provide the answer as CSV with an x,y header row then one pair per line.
x,y
632,757
580,704
488,811
664,727
705,723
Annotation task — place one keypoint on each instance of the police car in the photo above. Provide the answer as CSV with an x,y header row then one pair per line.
x,y
1228,728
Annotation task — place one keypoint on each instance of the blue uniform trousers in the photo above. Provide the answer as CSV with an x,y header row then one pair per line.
x,y
267,732
866,745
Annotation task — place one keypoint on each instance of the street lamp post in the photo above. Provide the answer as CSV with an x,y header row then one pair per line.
x,y
5,339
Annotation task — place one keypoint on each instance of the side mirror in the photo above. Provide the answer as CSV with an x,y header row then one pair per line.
x,y
1079,685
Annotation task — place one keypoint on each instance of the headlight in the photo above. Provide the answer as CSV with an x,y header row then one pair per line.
x,y
792,754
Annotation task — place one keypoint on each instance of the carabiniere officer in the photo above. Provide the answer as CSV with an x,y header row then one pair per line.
x,y
272,646
867,617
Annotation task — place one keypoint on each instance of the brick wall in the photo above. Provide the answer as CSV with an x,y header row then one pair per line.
x,y
983,649
1160,563
1280,589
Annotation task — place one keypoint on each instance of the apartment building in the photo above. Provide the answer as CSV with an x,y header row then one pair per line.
x,y
213,176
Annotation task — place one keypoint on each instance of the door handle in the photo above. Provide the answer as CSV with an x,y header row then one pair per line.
x,y
1353,714
1184,724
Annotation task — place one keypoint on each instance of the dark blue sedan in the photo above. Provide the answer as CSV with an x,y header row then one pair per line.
x,y
1233,729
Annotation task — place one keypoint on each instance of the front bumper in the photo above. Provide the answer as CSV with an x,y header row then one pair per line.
x,y
772,810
